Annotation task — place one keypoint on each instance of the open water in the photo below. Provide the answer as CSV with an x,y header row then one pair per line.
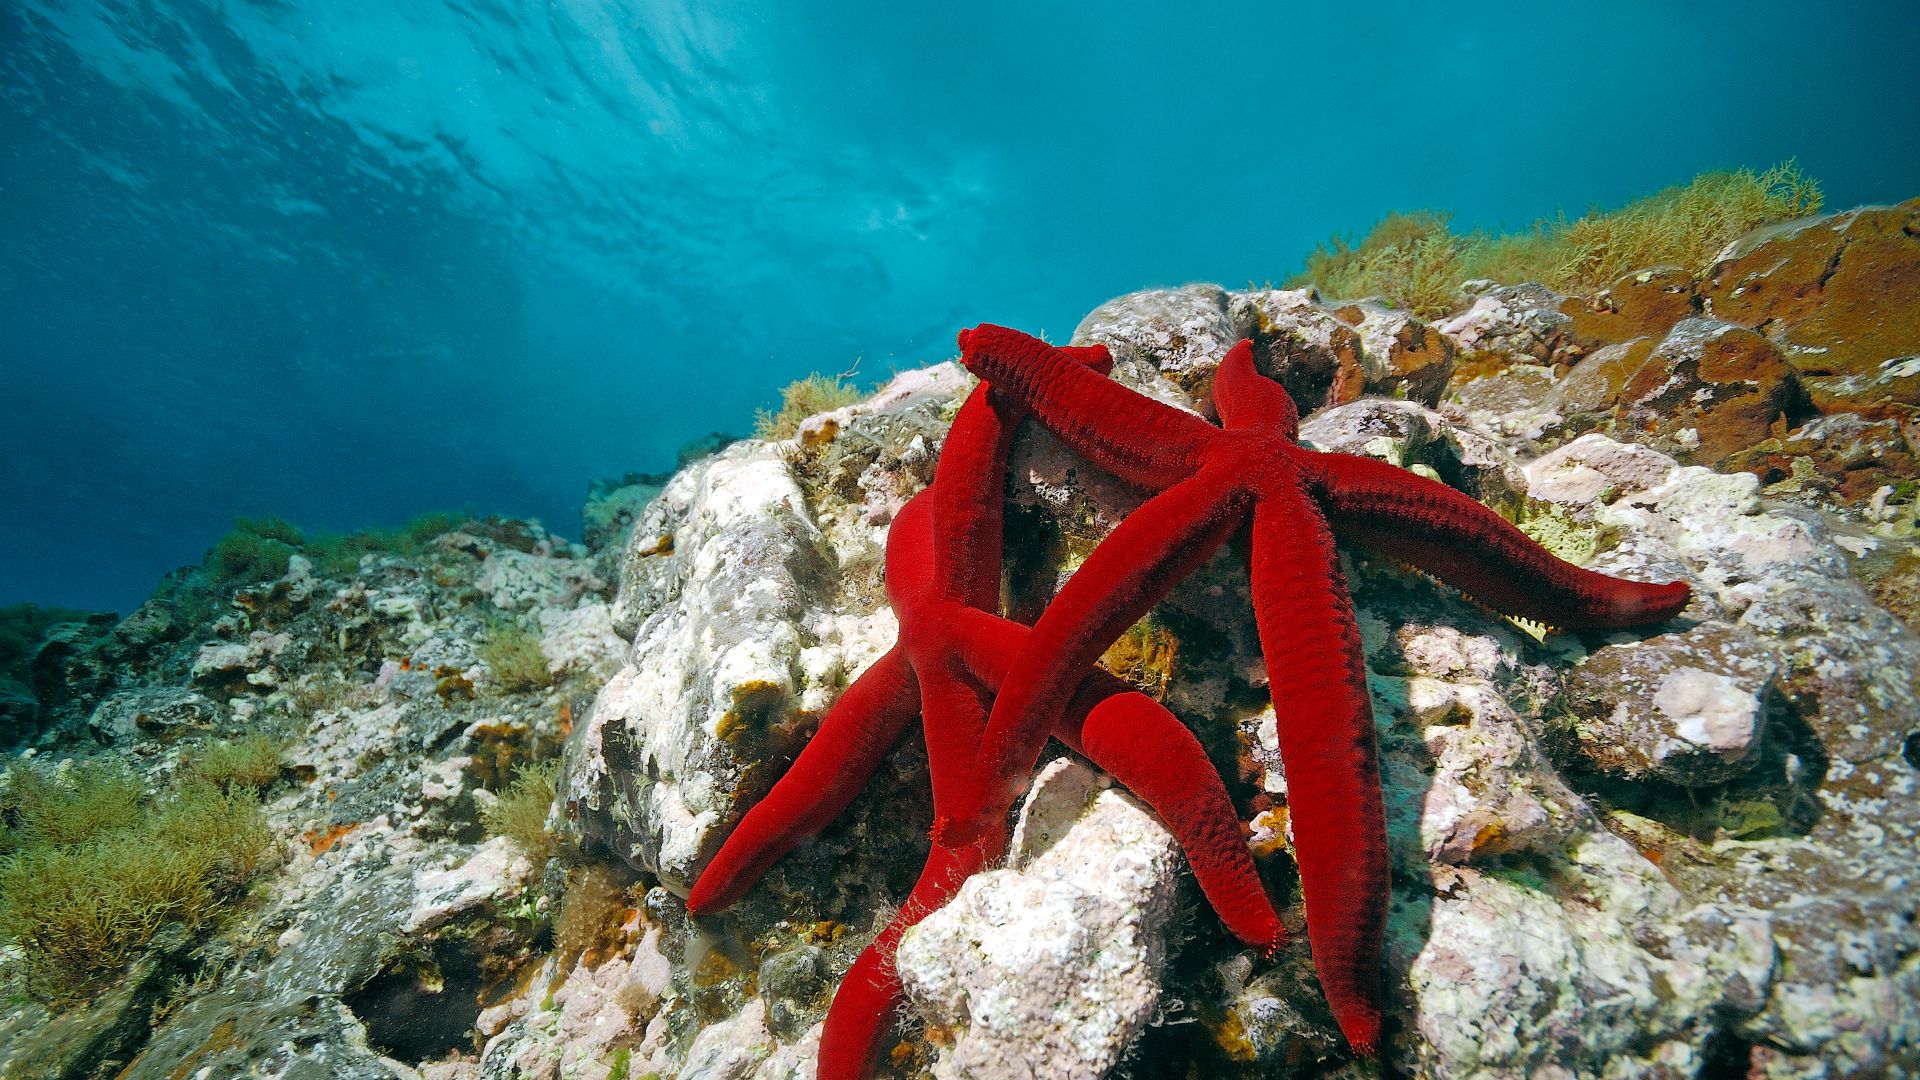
x,y
346,261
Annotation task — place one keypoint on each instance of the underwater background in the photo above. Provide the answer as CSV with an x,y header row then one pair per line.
x,y
346,262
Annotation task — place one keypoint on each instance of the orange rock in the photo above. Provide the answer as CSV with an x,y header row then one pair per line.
x,y
1399,355
1591,391
1841,296
1645,303
1304,347
1708,390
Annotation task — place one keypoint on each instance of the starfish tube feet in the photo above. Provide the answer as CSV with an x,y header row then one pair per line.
x,y
1324,719
854,737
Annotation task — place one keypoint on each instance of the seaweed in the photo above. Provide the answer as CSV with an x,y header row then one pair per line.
x,y
520,812
806,397
92,871
515,662
1415,261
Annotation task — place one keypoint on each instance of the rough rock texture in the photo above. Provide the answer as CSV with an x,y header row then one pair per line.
x,y
1687,850
1708,390
1518,320
1709,693
1817,392
384,913
1052,965
1839,294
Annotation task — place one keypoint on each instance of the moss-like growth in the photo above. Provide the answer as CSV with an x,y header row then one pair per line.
x,y
254,550
810,396
95,873
1553,528
520,813
515,662
251,761
1416,262
338,554
72,806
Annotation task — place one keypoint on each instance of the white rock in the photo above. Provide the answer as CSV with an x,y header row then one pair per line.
x,y
1051,967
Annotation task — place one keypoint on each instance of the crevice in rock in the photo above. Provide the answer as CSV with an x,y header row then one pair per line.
x,y
422,1006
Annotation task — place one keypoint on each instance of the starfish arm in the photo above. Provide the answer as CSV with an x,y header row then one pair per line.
x,y
1142,745
969,502
854,737
1123,432
868,1001
1244,398
1130,571
1466,545
955,711
1324,717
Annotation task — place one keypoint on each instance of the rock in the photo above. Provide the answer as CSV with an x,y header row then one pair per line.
x,y
495,869
241,665
1761,921
1591,392
1405,434
1840,295
152,624
1609,973
1514,321
1400,356
19,713
1709,390
94,1037
1166,342
1844,456
1511,401
581,640
69,674
1051,967
520,581
1688,708
134,714
1316,356
1594,468
575,1022
612,506
1641,304
724,591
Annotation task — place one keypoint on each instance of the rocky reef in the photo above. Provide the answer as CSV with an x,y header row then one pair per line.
x,y
1683,851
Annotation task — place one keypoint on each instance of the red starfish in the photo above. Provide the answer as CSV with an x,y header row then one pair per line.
x,y
1213,480
943,577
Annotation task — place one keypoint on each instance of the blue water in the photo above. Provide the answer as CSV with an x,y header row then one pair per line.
x,y
349,260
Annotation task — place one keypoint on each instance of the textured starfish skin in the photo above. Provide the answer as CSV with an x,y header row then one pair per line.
x,y
943,577
1210,481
